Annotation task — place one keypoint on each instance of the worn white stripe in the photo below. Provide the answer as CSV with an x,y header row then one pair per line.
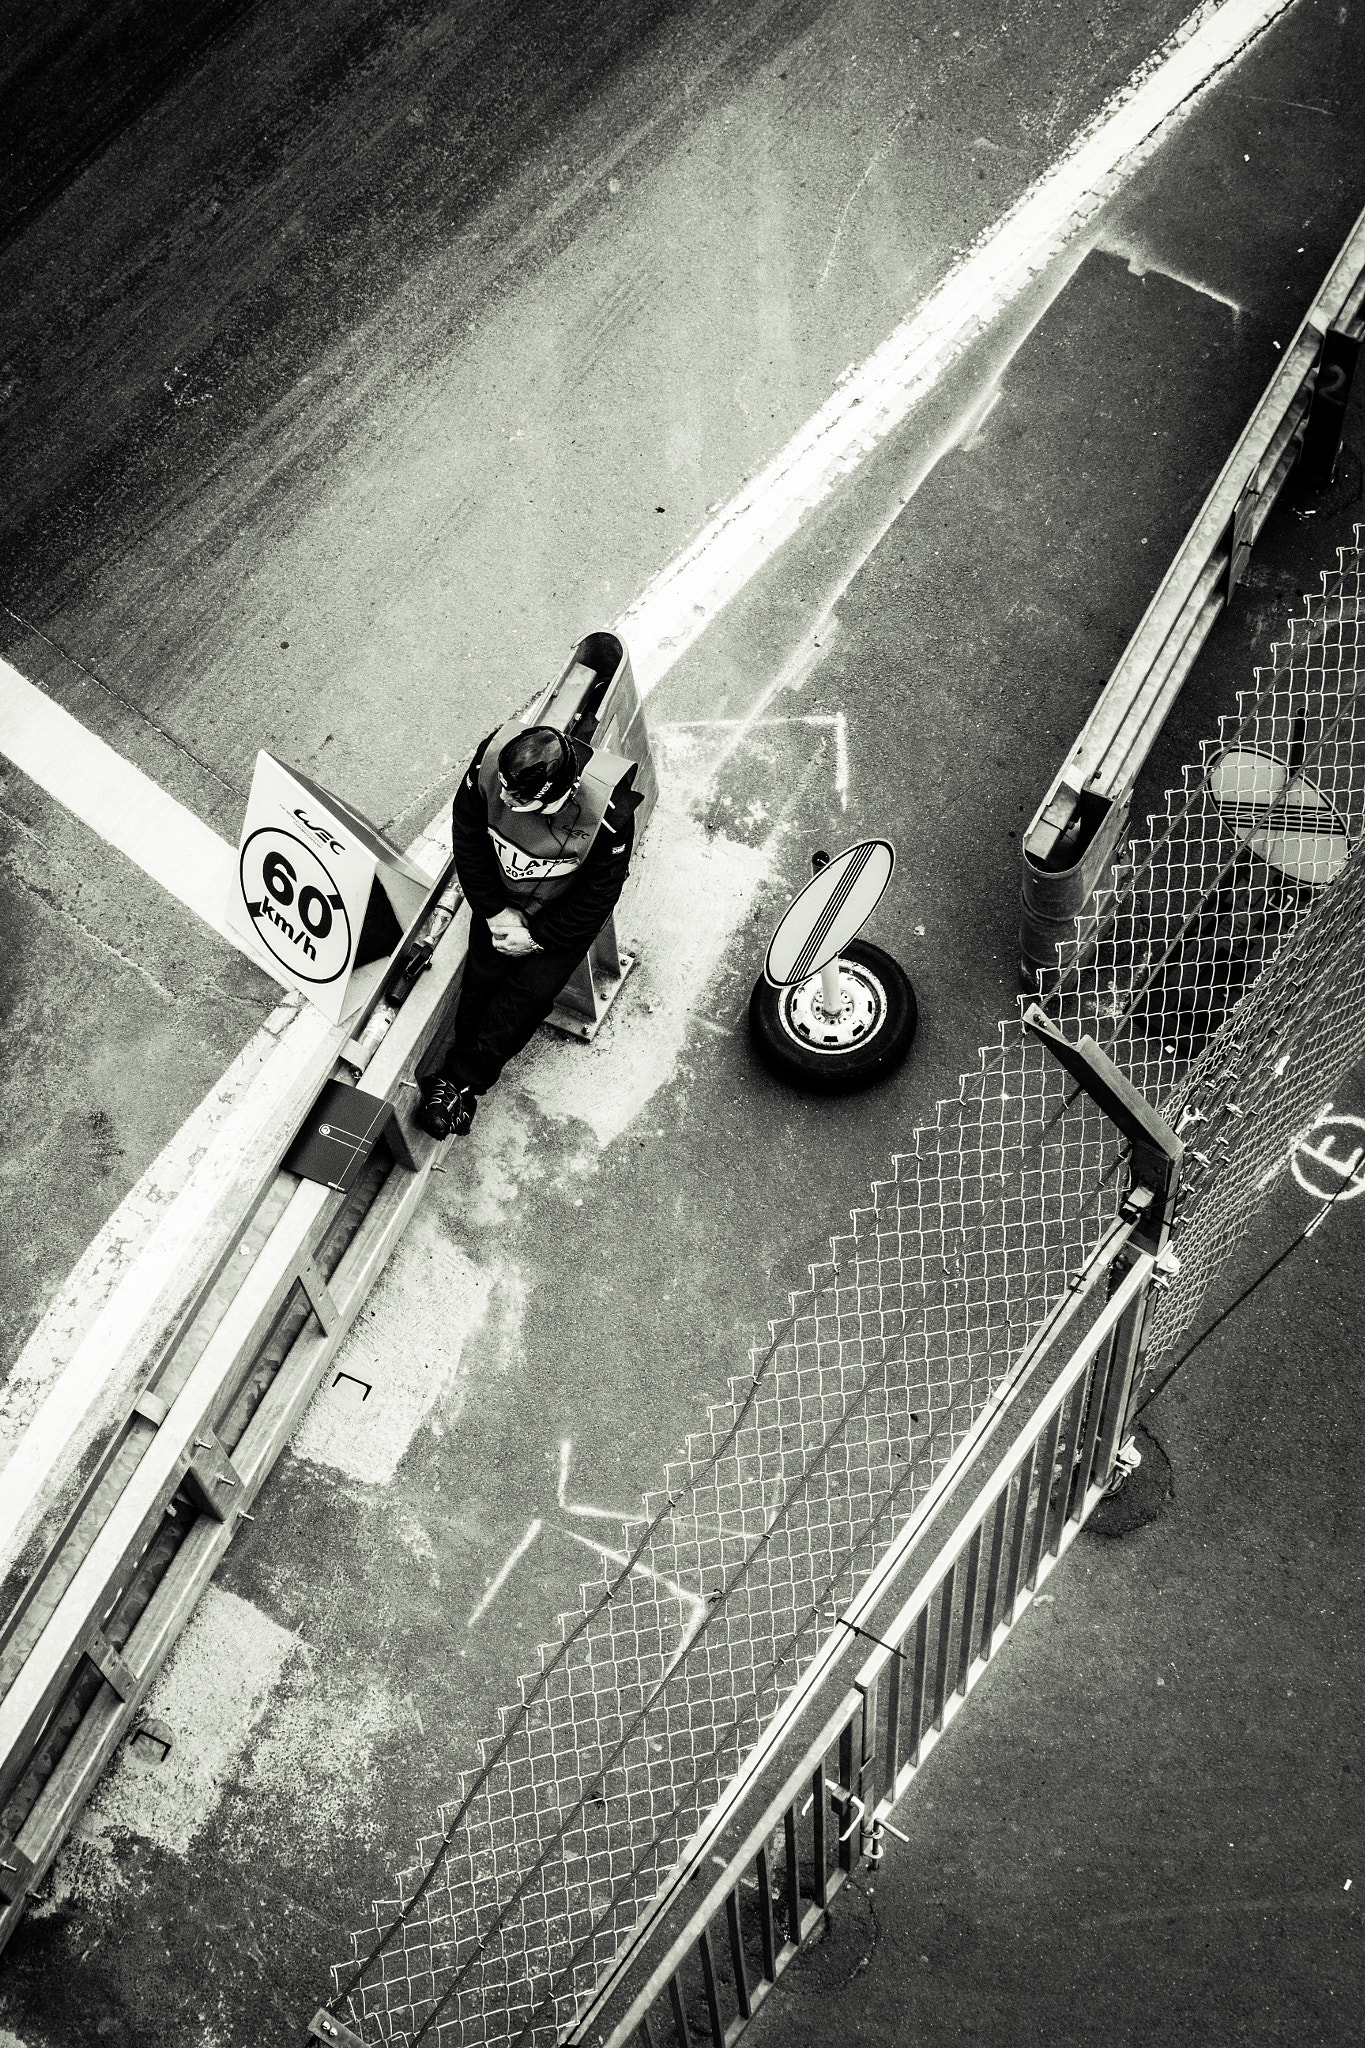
x,y
124,806
872,400
667,617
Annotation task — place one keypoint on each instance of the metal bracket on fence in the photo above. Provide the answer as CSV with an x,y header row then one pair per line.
x,y
322,2027
1242,532
1126,1461
111,1666
16,1869
1156,1150
320,1295
213,1475
839,1795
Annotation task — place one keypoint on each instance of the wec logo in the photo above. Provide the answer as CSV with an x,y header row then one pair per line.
x,y
319,832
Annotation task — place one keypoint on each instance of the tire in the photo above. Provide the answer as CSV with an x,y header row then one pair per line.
x,y
871,1042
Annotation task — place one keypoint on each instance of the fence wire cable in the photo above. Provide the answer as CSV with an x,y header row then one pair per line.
x,y
1223,968
1245,1295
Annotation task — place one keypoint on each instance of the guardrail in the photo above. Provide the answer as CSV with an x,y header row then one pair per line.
x,y
160,1442
103,1602
1077,827
782,1863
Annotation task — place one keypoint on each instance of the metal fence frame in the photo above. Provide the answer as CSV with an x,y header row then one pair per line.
x,y
1092,791
926,1660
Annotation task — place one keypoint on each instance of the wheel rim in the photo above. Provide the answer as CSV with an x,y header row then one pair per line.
x,y
861,1014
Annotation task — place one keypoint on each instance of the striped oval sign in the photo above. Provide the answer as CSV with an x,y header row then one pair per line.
x,y
831,909
1284,818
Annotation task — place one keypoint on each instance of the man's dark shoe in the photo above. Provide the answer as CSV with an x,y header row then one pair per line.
x,y
447,1111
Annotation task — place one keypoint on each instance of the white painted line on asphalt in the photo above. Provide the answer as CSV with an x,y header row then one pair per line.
x,y
875,397
124,806
501,1580
581,1507
677,605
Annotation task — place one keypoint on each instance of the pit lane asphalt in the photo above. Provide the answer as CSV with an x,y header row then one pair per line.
x,y
352,366
601,1352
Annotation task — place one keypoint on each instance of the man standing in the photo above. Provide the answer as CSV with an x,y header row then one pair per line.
x,y
543,829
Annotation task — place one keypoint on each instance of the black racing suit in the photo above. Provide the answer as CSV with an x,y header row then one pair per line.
x,y
503,1000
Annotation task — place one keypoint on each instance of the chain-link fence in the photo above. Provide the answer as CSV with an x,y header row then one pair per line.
x,y
1228,980
1225,970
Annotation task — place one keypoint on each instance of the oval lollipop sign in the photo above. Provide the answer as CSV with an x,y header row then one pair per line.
x,y
831,910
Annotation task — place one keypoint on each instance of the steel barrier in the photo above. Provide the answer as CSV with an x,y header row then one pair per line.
x,y
1075,833
714,1971
124,1519
95,1612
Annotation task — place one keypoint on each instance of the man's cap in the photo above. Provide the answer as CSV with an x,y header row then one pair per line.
x,y
538,766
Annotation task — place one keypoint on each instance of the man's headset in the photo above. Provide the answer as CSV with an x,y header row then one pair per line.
x,y
557,781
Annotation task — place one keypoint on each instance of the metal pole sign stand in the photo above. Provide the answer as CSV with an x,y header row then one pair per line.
x,y
594,700
321,890
831,1012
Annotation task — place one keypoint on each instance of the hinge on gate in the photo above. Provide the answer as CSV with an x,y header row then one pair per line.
x,y
1126,1461
110,1665
16,1869
322,2027
213,1475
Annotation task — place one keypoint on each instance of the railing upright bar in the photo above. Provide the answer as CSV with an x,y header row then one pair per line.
x,y
675,2000
1046,1466
737,1954
990,1604
1062,1509
767,1931
917,1695
793,1877
1021,1500
646,2032
866,1787
944,1602
848,1849
1096,1399
708,1979
1124,1356
818,1836
967,1639
892,1736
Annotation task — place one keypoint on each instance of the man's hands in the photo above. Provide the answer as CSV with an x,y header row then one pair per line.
x,y
510,935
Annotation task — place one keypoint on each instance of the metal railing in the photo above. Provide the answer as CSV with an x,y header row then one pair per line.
x,y
784,1862
1075,832
130,1514
99,1607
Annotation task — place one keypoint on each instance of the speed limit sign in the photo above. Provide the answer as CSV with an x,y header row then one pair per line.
x,y
321,889
299,912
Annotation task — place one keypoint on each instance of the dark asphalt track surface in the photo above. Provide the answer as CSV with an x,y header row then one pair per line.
x,y
245,255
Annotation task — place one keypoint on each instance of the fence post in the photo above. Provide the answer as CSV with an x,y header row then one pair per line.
x,y
1120,1373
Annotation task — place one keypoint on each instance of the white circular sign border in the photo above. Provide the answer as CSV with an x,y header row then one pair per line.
x,y
883,845
334,892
